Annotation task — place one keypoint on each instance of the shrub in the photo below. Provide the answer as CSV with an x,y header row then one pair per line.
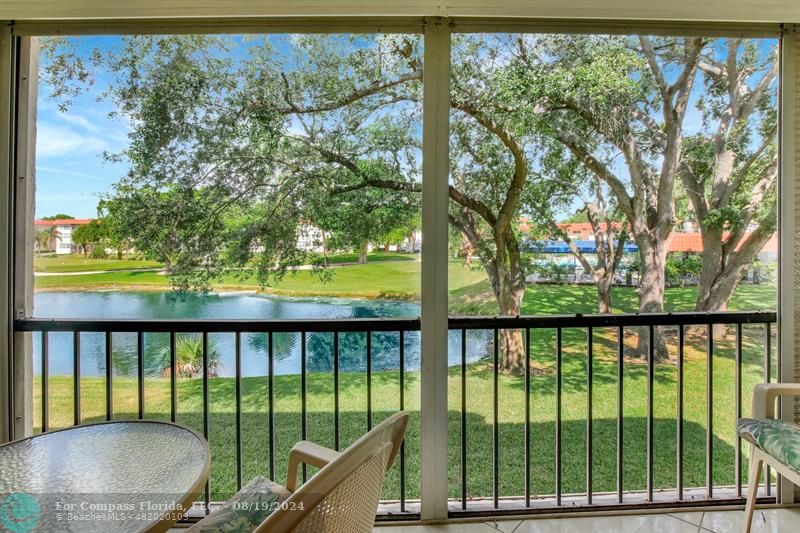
x,y
189,357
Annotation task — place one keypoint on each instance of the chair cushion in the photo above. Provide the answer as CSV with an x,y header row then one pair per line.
x,y
777,438
246,510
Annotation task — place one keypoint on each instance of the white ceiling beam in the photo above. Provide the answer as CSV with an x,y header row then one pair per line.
x,y
741,11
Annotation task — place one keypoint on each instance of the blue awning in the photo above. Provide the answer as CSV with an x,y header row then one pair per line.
x,y
561,247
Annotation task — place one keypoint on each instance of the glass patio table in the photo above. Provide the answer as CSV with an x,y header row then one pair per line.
x,y
112,476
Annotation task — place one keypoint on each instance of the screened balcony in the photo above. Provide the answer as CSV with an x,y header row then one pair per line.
x,y
530,410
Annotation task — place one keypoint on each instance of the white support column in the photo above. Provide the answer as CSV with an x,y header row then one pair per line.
x,y
435,189
6,122
22,245
789,266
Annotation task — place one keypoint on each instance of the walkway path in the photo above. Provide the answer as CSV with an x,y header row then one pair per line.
x,y
85,272
161,270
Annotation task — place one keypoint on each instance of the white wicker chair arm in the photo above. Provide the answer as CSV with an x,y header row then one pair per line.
x,y
306,452
765,394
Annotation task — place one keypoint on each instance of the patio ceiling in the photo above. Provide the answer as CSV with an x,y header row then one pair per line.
x,y
775,11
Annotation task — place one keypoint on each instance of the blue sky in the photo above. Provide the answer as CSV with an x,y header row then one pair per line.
x,y
70,171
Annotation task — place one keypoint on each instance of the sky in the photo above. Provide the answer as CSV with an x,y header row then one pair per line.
x,y
71,172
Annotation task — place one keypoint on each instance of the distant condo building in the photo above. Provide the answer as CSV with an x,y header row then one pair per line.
x,y
61,239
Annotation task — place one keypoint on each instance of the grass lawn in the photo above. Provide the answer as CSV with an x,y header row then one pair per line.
x,y
79,263
479,417
381,279
476,299
375,256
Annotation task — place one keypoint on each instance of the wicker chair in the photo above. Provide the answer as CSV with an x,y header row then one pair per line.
x,y
341,498
773,442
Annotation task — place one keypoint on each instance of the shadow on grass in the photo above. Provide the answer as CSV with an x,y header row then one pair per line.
x,y
256,460
542,466
540,299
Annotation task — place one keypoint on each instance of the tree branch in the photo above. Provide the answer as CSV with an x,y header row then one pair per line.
x,y
741,173
652,62
587,266
509,207
600,170
357,94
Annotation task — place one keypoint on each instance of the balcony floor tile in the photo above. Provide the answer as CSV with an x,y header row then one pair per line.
x,y
659,523
765,521
449,528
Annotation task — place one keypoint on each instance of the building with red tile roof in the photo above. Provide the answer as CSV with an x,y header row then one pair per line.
x,y
693,243
62,228
679,241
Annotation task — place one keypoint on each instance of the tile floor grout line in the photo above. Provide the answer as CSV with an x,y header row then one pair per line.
x,y
493,525
686,521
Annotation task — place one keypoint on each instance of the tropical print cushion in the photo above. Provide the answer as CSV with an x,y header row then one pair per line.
x,y
246,510
777,438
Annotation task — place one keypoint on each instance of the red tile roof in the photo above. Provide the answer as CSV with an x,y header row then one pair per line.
x,y
693,242
685,242
569,227
63,222
584,226
688,242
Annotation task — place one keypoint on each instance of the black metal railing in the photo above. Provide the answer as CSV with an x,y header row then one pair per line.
x,y
650,325
368,327
493,502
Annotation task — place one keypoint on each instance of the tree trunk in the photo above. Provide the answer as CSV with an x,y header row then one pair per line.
x,y
508,284
603,285
167,265
324,250
653,257
512,346
721,272
362,253
723,289
710,270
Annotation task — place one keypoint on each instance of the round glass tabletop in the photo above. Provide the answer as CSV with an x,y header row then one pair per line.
x,y
115,476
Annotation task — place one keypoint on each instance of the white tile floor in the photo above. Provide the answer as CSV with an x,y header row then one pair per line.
x,y
765,521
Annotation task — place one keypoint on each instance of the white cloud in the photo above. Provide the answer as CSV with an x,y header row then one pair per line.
x,y
52,141
60,171
81,121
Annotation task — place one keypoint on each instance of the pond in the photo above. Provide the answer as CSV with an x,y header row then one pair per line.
x,y
286,346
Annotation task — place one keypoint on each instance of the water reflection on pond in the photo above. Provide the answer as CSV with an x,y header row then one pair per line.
x,y
286,346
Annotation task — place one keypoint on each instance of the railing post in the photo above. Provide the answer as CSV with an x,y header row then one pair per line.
x,y
435,190
788,283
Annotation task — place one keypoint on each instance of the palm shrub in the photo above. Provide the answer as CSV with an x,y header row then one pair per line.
x,y
189,358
